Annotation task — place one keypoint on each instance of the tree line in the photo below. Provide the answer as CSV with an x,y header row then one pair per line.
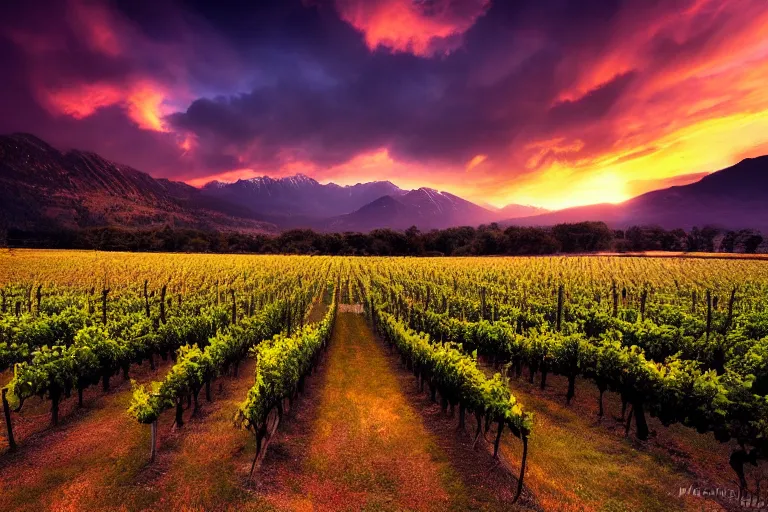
x,y
491,239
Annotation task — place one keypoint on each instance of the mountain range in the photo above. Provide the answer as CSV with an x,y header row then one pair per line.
x,y
44,189
300,201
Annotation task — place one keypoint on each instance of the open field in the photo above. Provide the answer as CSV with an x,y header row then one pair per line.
x,y
361,382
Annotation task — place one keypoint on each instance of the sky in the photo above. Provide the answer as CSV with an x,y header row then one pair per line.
x,y
553,103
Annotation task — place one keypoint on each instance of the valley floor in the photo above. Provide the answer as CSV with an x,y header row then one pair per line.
x,y
361,437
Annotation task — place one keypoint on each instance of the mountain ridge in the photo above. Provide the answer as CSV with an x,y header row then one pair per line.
x,y
299,195
42,188
47,189
731,198
425,208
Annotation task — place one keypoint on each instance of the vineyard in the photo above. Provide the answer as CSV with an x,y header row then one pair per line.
x,y
175,381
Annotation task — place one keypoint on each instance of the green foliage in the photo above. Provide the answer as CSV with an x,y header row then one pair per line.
x,y
280,363
457,375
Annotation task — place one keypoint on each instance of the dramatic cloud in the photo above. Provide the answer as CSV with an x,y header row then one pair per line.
x,y
553,103
421,27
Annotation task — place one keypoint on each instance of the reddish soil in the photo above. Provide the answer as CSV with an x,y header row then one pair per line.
x,y
363,439
91,449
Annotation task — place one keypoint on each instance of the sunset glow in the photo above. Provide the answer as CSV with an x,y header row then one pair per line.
x,y
553,104
421,28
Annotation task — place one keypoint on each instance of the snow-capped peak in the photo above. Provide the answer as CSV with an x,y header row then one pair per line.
x,y
215,184
298,180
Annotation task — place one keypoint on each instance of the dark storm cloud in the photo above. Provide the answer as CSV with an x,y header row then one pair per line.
x,y
593,105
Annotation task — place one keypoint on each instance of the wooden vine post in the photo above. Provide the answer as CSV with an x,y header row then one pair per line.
x,y
104,293
179,412
615,294
39,297
560,292
303,310
729,318
163,291
373,313
153,449
8,424
234,307
146,299
709,312
289,319
522,470
643,299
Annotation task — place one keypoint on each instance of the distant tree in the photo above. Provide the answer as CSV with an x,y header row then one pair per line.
x,y
489,240
583,236
3,231
752,242
357,244
450,241
654,238
415,241
702,240
519,241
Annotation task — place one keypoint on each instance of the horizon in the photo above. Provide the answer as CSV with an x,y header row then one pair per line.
x,y
202,182
553,105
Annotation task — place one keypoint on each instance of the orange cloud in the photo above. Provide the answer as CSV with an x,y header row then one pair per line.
x,y
225,177
546,151
421,28
145,106
477,160
82,101
142,100
697,104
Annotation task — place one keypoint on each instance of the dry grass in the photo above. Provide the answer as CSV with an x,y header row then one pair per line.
x,y
199,465
578,462
88,458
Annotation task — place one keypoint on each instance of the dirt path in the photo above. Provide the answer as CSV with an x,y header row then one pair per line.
x,y
358,442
